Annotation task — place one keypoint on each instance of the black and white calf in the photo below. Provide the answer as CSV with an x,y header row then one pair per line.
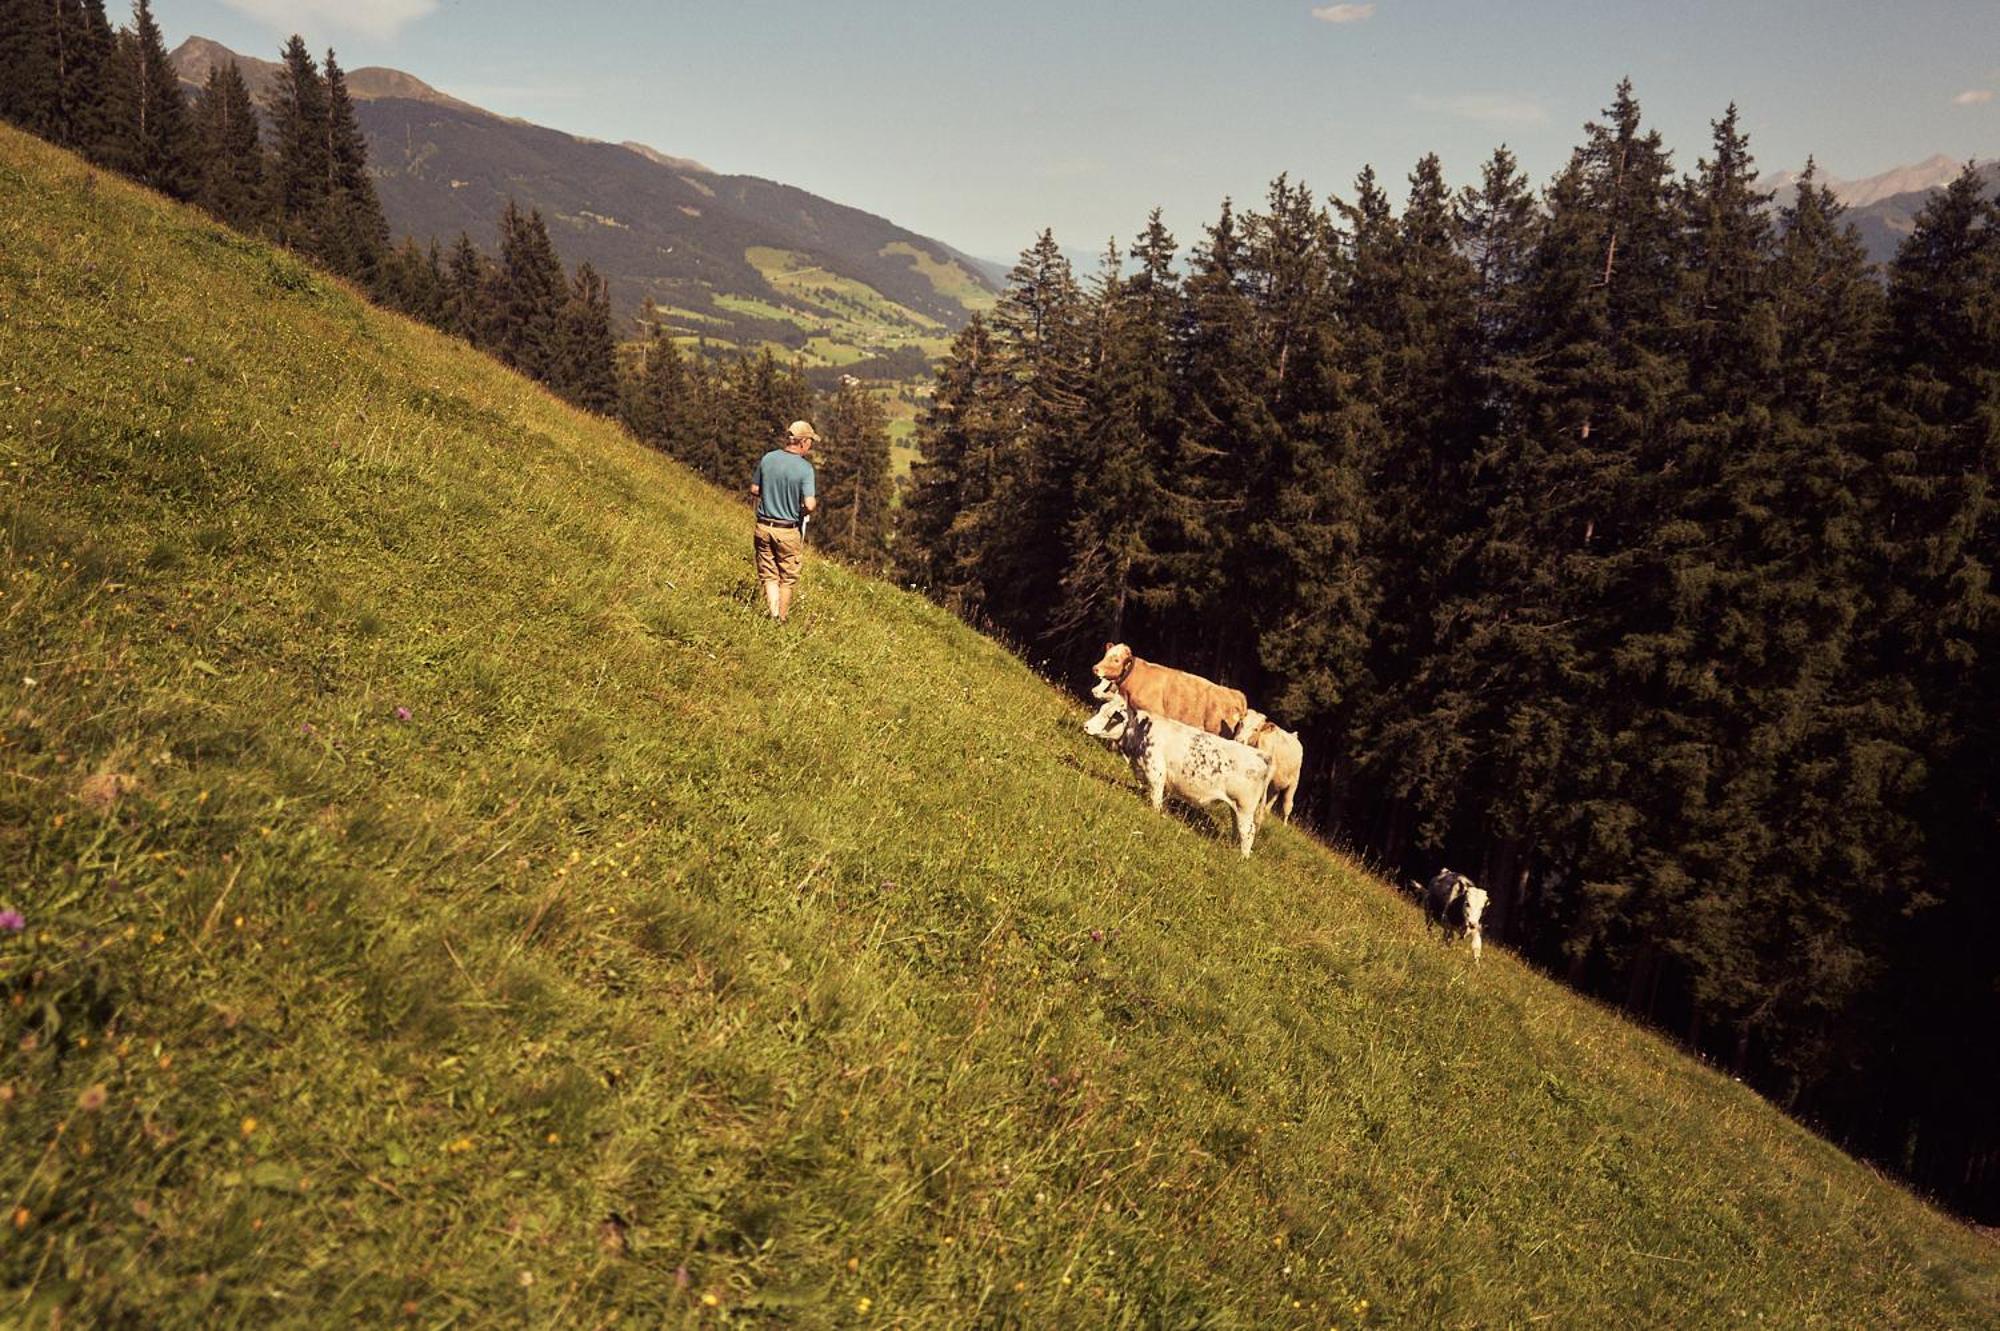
x,y
1192,765
1456,905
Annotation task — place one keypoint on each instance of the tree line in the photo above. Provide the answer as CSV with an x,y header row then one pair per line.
x,y
115,98
295,171
1628,547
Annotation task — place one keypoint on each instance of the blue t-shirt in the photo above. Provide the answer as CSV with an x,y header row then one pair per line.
x,y
784,482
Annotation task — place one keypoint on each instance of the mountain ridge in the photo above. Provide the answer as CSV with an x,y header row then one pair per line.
x,y
1883,207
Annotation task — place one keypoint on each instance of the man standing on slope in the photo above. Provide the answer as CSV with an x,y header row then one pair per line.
x,y
783,486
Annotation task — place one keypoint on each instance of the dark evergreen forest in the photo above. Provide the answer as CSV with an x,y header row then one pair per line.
x,y
1627,545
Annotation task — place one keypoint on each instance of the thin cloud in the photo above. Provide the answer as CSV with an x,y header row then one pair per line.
x,y
1343,13
371,18
1973,97
1484,108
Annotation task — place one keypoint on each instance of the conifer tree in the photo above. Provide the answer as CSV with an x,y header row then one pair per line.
x,y
149,136
959,440
468,287
1311,529
412,279
855,486
1124,431
1431,713
231,176
1226,437
530,294
30,66
353,233
1038,336
659,395
763,398
585,369
301,164
1410,309
55,67
1938,536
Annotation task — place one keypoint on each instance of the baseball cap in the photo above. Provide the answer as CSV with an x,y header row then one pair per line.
x,y
799,430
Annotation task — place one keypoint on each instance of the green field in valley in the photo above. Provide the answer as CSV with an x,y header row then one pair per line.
x,y
449,904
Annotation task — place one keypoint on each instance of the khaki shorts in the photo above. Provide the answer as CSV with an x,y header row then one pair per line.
x,y
780,551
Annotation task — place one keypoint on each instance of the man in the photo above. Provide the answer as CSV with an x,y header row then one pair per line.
x,y
783,486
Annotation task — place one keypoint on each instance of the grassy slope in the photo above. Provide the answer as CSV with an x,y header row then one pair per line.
x,y
776,945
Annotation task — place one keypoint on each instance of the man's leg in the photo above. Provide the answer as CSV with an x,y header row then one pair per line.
x,y
778,597
791,553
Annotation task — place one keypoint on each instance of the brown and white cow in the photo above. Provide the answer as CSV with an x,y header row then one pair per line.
x,y
1175,694
1287,755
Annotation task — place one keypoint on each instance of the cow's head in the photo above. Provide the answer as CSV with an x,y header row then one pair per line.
x,y
1104,690
1252,722
1475,913
1110,722
1117,656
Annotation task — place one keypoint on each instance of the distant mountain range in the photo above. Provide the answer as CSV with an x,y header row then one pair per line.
x,y
1884,208
734,259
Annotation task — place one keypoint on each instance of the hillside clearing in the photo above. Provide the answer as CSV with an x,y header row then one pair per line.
x,y
448,902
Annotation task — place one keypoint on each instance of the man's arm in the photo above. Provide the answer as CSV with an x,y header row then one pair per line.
x,y
811,491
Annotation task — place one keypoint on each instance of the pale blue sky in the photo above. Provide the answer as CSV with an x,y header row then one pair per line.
x,y
980,124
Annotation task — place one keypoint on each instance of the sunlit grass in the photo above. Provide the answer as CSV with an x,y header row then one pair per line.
x,y
447,902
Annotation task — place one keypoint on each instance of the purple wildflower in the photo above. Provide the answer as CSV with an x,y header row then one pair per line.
x,y
12,921
306,728
1097,935
402,713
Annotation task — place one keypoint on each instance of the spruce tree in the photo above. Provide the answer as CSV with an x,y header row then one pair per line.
x,y
585,368
353,234
1126,428
231,177
1225,439
1409,307
301,164
1311,527
30,66
855,486
149,136
530,295
657,396
1038,336
1938,538
468,288
1564,571
960,437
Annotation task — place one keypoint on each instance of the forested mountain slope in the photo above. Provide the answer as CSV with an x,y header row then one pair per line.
x,y
444,900
720,253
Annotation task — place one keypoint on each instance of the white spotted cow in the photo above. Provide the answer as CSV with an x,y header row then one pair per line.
x,y
1287,755
1174,758
1455,904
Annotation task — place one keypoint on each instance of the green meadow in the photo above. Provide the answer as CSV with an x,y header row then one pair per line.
x,y
448,903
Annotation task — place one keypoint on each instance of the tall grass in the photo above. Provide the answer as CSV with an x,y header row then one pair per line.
x,y
449,903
